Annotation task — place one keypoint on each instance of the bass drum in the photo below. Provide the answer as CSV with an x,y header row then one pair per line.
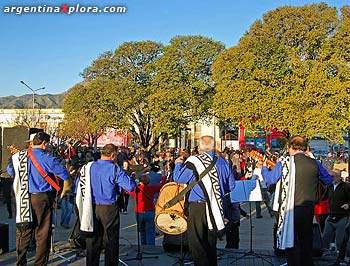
x,y
171,221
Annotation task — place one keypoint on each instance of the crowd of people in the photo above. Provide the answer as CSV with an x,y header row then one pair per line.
x,y
100,181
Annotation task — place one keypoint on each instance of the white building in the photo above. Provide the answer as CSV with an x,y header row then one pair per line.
x,y
51,121
48,119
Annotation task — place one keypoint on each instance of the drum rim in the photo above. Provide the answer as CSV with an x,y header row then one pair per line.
x,y
171,212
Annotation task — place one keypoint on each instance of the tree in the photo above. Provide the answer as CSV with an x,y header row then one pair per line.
x,y
26,118
103,66
150,90
119,86
279,75
83,112
183,88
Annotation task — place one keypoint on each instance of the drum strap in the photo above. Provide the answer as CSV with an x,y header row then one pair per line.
x,y
179,196
42,172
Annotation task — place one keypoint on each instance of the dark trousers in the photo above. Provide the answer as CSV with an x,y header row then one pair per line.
x,y
105,235
201,240
322,218
42,218
232,234
301,253
344,245
123,201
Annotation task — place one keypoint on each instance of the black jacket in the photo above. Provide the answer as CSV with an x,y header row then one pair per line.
x,y
338,197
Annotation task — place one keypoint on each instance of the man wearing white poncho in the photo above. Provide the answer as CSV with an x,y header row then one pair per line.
x,y
205,208
299,176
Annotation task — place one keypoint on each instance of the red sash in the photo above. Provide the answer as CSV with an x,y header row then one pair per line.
x,y
41,171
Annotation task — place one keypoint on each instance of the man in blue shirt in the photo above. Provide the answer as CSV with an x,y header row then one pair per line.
x,y
41,194
205,208
106,181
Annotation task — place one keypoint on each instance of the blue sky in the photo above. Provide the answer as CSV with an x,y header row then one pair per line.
x,y
50,50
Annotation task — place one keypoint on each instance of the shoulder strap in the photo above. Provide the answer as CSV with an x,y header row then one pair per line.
x,y
179,196
41,171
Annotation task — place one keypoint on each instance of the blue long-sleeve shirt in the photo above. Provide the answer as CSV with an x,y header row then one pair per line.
x,y
273,175
185,174
106,179
307,173
36,183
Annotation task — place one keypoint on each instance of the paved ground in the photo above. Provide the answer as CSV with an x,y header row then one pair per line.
x,y
262,245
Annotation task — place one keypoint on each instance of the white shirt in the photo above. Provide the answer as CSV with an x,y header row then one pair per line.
x,y
257,175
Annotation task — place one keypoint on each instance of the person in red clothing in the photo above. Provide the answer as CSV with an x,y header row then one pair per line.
x,y
144,208
70,152
321,212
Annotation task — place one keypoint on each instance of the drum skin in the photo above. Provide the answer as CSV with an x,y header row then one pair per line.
x,y
172,220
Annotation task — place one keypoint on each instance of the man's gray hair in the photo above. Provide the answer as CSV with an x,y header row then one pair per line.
x,y
206,143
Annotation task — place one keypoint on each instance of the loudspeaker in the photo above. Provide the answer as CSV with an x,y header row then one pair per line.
x,y
15,136
4,238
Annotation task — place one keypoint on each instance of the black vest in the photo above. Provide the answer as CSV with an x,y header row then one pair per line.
x,y
306,180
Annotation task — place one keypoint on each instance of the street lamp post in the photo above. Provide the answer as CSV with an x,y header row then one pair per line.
x,y
33,98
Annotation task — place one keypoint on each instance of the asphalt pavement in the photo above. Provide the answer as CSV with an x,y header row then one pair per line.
x,y
256,244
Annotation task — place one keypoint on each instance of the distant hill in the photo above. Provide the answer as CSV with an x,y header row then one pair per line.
x,y
26,101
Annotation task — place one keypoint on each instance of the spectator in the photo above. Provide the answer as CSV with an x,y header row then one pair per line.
x,y
329,161
265,195
233,212
145,210
339,205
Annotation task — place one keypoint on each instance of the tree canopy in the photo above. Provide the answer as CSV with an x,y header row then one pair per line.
x,y
146,88
84,112
118,84
290,70
183,89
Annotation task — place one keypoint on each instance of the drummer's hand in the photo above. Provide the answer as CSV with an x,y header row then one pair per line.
x,y
180,159
226,221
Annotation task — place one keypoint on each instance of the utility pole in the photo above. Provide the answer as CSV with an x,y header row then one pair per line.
x,y
33,99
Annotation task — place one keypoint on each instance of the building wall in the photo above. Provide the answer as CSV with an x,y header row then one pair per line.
x,y
48,119
196,130
51,119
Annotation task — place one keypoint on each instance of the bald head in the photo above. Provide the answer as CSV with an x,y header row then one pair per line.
x,y
206,143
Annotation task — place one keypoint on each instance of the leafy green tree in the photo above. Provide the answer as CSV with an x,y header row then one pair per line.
x,y
84,112
103,66
135,69
281,74
148,89
119,86
183,88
